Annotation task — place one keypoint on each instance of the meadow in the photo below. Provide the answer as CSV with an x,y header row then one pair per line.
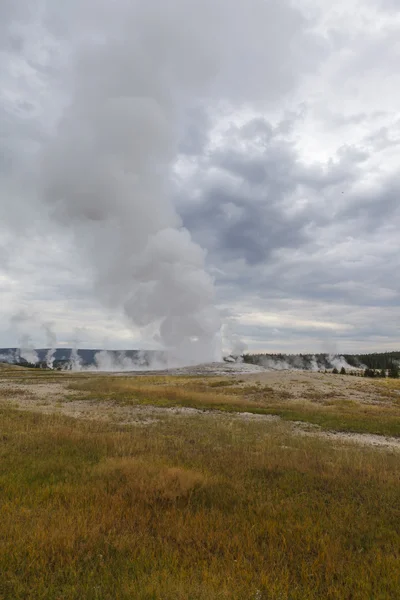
x,y
215,504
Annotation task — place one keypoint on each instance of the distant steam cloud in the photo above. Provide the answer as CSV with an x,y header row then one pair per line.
x,y
301,362
51,342
27,350
119,361
22,322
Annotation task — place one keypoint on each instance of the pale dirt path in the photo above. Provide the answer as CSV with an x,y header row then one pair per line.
x,y
50,398
341,437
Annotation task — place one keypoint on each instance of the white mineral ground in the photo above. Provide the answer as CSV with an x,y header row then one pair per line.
x,y
54,397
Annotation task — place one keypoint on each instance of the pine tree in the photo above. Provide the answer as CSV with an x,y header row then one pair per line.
x,y
369,372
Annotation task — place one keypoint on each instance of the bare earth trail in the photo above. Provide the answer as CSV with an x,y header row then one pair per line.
x,y
52,396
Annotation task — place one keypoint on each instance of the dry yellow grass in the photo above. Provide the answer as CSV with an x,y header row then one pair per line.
x,y
151,482
164,391
191,508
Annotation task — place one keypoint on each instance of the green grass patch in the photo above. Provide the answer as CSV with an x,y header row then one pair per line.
x,y
342,418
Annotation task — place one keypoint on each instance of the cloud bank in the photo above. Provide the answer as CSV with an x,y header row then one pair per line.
x,y
167,168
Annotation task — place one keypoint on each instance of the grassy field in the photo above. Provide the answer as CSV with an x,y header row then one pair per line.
x,y
192,507
329,411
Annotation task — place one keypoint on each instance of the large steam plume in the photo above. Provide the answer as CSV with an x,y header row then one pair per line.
x,y
107,171
106,175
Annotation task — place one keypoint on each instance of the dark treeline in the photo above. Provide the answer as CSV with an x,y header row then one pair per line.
x,y
375,361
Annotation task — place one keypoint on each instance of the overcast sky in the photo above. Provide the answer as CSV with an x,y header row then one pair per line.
x,y
285,170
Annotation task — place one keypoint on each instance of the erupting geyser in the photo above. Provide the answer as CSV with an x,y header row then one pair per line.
x,y
106,175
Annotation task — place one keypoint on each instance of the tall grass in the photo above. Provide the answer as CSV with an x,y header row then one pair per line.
x,y
192,508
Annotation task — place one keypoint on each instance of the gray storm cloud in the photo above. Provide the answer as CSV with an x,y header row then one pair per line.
x,y
285,175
